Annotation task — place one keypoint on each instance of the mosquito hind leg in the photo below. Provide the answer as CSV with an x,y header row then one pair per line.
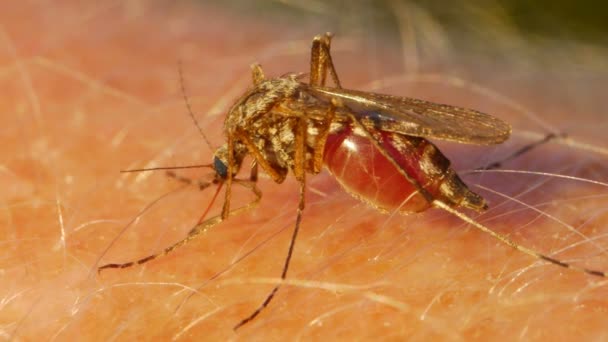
x,y
507,241
527,148
321,62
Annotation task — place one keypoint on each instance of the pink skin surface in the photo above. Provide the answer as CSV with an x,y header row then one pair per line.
x,y
88,90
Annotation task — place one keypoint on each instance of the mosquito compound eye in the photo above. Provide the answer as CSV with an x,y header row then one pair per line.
x,y
220,167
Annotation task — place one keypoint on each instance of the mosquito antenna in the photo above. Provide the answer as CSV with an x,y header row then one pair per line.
x,y
190,112
167,168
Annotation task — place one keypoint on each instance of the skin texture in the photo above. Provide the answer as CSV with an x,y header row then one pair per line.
x,y
88,91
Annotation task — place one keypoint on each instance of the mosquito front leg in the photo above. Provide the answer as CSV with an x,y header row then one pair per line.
x,y
229,176
252,184
198,229
321,61
202,185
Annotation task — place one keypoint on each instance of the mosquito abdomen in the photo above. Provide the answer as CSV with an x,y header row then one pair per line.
x,y
366,172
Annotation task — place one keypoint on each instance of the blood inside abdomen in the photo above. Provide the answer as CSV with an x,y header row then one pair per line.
x,y
367,174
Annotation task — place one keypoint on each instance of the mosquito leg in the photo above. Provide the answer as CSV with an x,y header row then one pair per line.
x,y
319,148
317,67
230,174
275,174
507,241
188,181
321,61
523,150
285,266
253,175
300,175
300,150
198,229
257,74
251,184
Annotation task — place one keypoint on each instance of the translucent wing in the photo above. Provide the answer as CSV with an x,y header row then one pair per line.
x,y
419,118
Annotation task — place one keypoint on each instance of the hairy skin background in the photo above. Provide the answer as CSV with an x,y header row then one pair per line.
x,y
89,90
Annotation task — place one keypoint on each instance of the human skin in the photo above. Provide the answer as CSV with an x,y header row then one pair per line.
x,y
88,91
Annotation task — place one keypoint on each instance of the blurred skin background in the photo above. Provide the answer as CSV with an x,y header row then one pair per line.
x,y
90,89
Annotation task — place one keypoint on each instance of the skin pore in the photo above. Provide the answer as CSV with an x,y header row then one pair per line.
x,y
91,90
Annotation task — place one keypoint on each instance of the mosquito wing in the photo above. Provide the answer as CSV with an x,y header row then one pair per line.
x,y
419,118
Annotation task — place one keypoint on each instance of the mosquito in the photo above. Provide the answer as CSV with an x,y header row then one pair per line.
x,y
375,145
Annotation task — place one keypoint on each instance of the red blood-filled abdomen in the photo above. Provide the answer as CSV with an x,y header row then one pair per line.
x,y
368,175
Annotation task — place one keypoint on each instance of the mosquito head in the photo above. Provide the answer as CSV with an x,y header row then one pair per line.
x,y
220,167
220,161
